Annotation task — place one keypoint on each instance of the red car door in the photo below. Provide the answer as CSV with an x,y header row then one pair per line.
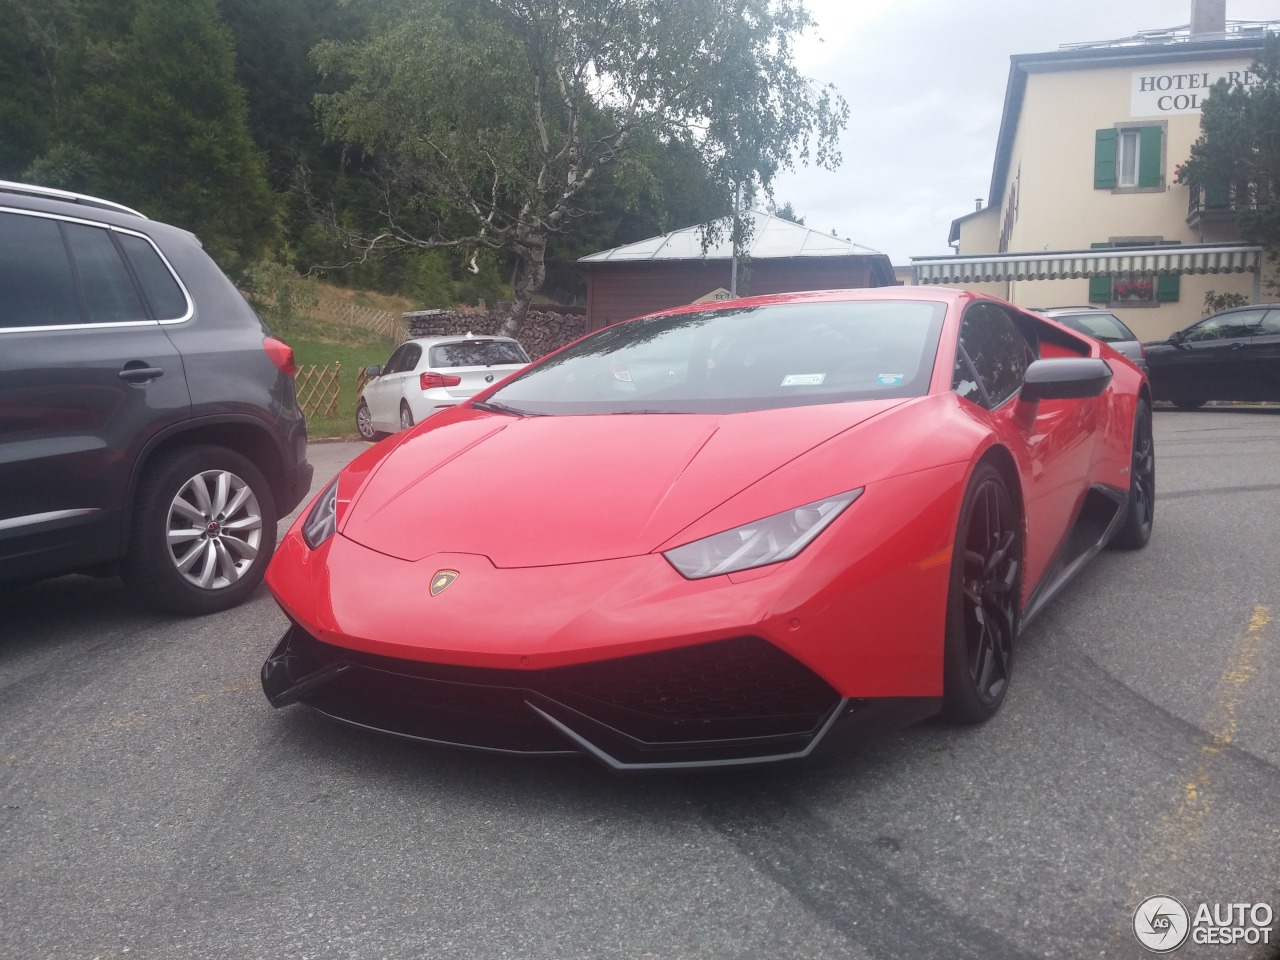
x,y
1052,442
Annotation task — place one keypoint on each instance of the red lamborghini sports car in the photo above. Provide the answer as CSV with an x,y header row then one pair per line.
x,y
718,535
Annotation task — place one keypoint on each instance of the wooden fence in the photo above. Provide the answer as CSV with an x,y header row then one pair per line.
x,y
318,389
380,321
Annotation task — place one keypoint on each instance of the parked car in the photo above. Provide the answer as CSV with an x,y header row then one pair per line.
x,y
148,424
1232,355
430,374
1102,325
829,510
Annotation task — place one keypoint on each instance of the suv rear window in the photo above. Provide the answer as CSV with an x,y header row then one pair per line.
x,y
1100,326
476,353
168,302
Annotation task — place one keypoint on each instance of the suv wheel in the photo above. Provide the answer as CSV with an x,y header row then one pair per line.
x,y
204,530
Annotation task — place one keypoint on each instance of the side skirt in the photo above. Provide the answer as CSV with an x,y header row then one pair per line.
x,y
1102,513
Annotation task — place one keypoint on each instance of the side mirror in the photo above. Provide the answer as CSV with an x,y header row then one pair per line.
x,y
373,371
1069,378
1178,338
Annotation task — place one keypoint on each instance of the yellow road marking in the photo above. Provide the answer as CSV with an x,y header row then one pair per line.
x,y
1180,831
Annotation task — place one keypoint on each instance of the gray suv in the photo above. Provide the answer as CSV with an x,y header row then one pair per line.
x,y
148,423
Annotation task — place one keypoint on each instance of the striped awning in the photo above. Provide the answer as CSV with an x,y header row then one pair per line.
x,y
1077,264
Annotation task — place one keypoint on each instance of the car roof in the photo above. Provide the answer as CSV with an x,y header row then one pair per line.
x,y
65,196
459,338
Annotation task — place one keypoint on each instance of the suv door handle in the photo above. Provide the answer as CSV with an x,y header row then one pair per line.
x,y
139,373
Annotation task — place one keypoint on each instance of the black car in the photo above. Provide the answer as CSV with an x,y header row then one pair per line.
x,y
148,423
1233,355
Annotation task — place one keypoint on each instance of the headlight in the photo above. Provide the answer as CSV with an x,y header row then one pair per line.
x,y
322,521
766,541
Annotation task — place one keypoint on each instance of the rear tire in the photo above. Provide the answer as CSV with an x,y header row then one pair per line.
x,y
406,416
1142,484
204,529
1189,403
984,600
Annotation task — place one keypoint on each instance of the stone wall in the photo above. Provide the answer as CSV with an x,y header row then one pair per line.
x,y
542,332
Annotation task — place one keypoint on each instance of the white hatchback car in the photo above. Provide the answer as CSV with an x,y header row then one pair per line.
x,y
427,375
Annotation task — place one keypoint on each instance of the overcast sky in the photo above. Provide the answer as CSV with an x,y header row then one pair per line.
x,y
925,82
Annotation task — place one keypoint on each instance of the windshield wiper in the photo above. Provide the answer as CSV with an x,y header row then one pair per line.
x,y
496,407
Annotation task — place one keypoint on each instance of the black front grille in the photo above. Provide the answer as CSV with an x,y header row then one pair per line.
x,y
744,685
735,698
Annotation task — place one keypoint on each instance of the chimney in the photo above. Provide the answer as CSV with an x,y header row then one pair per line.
x,y
977,204
1208,19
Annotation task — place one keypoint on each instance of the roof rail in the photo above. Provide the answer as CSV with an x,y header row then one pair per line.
x,y
8,186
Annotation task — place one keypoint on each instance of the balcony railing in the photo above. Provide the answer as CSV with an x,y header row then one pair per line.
x,y
1219,203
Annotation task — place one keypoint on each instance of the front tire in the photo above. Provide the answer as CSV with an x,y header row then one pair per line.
x,y
984,600
1142,484
1189,402
204,529
364,421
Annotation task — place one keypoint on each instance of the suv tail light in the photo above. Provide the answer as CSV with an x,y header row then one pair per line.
x,y
432,379
281,354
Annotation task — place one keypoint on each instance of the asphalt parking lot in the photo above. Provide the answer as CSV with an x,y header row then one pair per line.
x,y
152,804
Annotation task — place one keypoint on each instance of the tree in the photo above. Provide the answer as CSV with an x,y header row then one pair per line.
x,y
1237,157
788,212
496,118
166,122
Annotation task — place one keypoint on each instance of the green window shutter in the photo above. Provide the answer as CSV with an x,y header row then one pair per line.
x,y
1149,157
1217,196
1104,160
1100,287
1169,288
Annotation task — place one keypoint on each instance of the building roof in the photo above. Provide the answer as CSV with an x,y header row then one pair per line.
x,y
1167,46
771,237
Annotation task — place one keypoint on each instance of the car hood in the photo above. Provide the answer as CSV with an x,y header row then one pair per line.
x,y
541,491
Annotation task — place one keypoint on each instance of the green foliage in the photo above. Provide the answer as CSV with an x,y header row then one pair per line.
x,y
1215,302
495,119
788,212
1239,149
277,292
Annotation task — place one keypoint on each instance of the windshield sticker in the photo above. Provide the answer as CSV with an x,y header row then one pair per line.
x,y
803,379
890,379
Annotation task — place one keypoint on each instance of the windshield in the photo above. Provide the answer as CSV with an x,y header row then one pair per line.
x,y
476,353
737,359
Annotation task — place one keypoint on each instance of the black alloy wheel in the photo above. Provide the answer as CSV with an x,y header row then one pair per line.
x,y
1142,484
984,604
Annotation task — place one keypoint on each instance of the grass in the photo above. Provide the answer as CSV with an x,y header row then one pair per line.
x,y
323,342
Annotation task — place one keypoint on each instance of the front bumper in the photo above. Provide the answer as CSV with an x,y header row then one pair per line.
x,y
724,703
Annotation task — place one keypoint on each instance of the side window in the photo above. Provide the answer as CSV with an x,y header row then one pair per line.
x,y
36,284
109,293
167,299
964,381
997,349
1270,324
412,354
394,364
1230,326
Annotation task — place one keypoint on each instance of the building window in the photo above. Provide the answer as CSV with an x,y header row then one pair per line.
x,y
1129,158
1131,288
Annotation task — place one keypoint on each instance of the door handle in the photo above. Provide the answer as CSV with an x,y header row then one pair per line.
x,y
1237,346
139,373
